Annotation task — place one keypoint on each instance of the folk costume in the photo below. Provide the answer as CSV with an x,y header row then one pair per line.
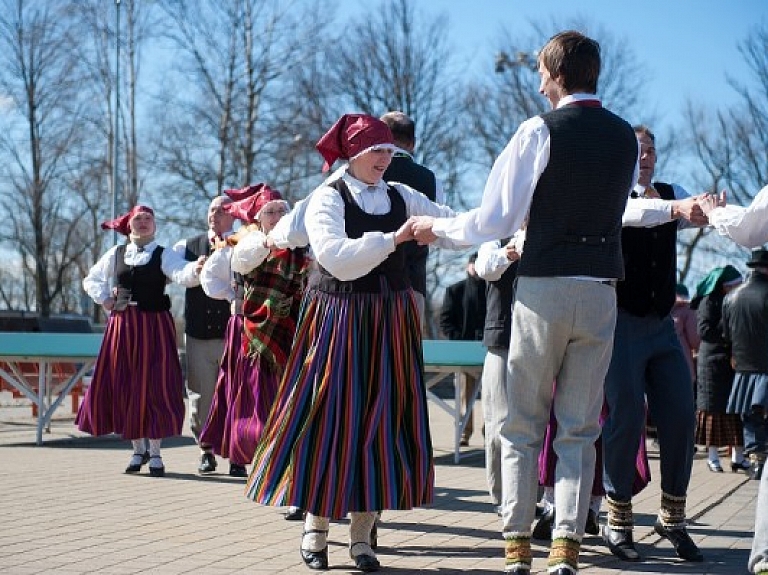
x,y
137,390
273,282
349,431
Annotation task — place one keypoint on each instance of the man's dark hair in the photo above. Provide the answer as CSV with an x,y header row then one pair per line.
x,y
643,129
402,127
574,58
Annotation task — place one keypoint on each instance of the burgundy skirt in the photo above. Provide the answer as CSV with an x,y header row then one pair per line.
x,y
137,390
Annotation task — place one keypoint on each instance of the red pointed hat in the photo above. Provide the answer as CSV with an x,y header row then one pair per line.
x,y
122,223
247,209
242,193
351,135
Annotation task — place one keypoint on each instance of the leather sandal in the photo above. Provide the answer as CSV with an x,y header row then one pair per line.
x,y
316,560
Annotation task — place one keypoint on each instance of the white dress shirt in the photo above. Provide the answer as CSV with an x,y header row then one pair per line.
x,y
216,275
747,226
101,278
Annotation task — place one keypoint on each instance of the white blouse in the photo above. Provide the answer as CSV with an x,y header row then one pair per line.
x,y
101,278
216,275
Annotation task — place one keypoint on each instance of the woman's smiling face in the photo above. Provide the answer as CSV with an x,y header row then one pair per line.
x,y
369,167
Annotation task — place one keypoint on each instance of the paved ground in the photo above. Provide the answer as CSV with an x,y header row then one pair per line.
x,y
68,508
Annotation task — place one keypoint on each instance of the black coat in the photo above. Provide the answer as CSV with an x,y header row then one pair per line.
x,y
463,313
714,374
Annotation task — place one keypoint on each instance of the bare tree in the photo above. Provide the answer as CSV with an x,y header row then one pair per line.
x,y
39,74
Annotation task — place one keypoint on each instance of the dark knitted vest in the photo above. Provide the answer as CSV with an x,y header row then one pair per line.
x,y
204,317
574,228
356,223
499,295
146,283
403,169
650,266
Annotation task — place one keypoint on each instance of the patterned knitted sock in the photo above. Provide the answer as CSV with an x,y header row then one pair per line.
x,y
517,552
564,552
360,525
672,512
312,540
620,516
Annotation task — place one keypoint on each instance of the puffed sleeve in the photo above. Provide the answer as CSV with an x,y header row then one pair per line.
x,y
179,270
98,282
216,275
249,253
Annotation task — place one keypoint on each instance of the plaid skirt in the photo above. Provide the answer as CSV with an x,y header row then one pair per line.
x,y
137,390
349,430
718,429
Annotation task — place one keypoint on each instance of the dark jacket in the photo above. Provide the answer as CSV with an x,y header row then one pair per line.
x,y
463,313
714,372
745,324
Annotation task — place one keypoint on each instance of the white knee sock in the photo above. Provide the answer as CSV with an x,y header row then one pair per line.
x,y
714,457
313,541
360,525
139,447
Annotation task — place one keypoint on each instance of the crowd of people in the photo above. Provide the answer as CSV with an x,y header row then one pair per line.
x,y
303,333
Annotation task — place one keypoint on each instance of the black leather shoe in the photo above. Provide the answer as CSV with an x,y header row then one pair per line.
x,y
756,472
743,465
158,470
207,463
317,560
592,527
367,563
132,468
543,528
294,514
682,542
518,571
562,571
236,470
621,544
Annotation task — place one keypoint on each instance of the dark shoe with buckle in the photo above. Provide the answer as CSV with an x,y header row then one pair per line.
x,y
316,560
134,467
207,463
592,527
621,544
543,528
237,470
743,465
681,541
294,514
364,561
156,470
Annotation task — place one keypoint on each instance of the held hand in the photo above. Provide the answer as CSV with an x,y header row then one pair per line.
x,y
711,201
422,230
405,233
511,251
690,209
108,303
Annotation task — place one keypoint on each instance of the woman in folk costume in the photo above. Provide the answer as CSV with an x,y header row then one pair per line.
x,y
714,378
349,432
137,389
273,282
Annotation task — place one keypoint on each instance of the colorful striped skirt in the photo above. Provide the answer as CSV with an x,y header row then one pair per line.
x,y
137,389
349,430
243,398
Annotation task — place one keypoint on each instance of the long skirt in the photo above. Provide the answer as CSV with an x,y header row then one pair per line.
x,y
243,398
748,389
137,388
349,431
718,429
548,460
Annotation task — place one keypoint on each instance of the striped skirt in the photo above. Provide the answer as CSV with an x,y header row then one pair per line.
x,y
137,388
349,430
243,398
548,460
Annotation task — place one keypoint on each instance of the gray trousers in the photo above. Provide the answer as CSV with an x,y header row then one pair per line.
x,y
203,357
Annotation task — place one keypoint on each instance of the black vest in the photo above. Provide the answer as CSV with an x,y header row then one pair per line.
x,y
204,317
650,266
356,223
574,226
146,283
403,169
499,295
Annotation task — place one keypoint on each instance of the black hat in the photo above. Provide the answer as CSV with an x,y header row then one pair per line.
x,y
759,258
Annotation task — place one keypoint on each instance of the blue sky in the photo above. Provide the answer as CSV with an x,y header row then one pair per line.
x,y
687,46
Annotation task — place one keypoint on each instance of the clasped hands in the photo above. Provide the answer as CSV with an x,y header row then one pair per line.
x,y
696,209
418,228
